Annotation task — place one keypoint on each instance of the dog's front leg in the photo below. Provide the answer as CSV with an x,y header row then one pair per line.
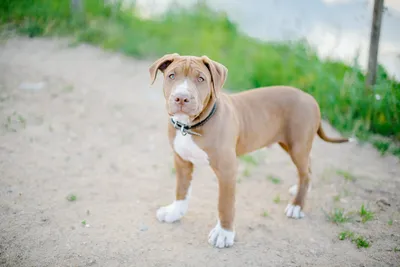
x,y
177,209
223,234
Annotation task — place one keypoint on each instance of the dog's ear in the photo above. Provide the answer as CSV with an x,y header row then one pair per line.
x,y
218,72
161,64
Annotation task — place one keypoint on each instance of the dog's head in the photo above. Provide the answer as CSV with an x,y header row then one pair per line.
x,y
190,83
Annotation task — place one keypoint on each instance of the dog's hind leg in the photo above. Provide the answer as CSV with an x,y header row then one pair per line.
x,y
300,154
293,188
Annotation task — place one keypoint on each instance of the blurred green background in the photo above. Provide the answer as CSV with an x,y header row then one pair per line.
x,y
370,114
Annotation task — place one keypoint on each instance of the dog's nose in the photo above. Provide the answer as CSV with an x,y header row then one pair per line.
x,y
181,99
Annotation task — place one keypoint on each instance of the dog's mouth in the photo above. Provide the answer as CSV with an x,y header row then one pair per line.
x,y
181,111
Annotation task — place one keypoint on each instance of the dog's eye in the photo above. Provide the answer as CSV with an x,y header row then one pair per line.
x,y
172,76
200,79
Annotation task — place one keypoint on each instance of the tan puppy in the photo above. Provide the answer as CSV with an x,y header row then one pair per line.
x,y
212,128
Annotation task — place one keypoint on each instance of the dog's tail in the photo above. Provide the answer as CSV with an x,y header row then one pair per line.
x,y
324,137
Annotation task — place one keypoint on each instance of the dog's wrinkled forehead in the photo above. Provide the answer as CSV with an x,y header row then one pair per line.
x,y
188,65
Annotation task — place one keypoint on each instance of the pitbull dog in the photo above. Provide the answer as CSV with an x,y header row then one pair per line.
x,y
209,127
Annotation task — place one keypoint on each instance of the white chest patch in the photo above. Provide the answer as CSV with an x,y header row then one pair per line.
x,y
188,150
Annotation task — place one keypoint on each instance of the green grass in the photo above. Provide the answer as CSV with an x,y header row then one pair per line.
x,y
339,88
365,214
274,179
338,216
246,172
265,214
346,234
249,160
336,198
277,199
71,197
360,241
346,175
14,122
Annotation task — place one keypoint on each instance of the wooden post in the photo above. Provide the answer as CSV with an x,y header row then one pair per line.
x,y
374,42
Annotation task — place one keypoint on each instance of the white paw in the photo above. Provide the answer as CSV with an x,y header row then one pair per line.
x,y
220,237
173,212
293,189
294,211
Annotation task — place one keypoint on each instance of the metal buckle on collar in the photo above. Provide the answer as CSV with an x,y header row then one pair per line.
x,y
182,129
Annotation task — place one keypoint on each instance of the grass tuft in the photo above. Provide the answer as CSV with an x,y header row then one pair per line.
x,y
246,172
249,160
346,175
336,198
365,214
71,197
338,216
360,241
277,199
345,234
274,179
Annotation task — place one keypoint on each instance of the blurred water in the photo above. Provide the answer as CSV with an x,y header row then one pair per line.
x,y
336,28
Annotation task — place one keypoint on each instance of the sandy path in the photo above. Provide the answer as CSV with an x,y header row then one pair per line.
x,y
98,130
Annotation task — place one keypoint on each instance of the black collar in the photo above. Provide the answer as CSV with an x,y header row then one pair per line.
x,y
185,129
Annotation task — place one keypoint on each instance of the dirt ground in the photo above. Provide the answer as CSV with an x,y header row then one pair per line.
x,y
78,120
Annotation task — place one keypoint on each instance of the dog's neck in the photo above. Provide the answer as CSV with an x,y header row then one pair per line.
x,y
207,110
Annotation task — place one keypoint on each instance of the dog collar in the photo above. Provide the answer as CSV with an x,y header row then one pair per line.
x,y
186,129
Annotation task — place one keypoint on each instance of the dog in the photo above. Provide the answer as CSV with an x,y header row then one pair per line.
x,y
210,127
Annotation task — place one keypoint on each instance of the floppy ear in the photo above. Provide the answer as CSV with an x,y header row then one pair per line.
x,y
218,72
161,64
